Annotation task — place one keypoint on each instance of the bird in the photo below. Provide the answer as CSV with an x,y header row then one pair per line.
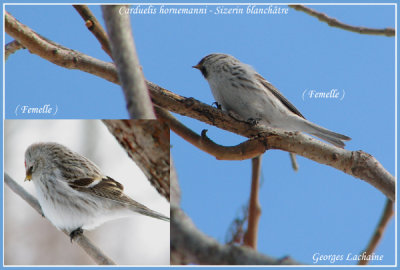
x,y
73,192
247,96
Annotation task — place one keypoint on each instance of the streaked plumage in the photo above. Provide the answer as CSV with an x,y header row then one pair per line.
x,y
238,88
72,191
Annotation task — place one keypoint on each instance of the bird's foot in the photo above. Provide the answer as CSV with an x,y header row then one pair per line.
x,y
75,233
217,105
253,121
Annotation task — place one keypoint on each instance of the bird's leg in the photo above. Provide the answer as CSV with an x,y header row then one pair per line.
x,y
75,233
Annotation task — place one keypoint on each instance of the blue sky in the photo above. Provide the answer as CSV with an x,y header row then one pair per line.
x,y
316,210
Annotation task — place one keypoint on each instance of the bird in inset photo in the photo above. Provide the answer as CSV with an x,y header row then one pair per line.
x,y
73,192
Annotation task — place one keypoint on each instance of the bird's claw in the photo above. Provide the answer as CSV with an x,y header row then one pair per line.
x,y
253,121
217,105
75,233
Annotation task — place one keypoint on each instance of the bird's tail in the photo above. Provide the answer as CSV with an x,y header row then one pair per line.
x,y
325,134
141,209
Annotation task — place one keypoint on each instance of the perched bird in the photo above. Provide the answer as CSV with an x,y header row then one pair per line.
x,y
241,91
72,191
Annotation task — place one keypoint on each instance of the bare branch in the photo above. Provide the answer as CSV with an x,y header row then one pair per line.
x,y
357,163
389,32
94,26
32,201
189,245
147,144
95,253
387,214
250,238
175,189
56,53
125,58
245,150
12,47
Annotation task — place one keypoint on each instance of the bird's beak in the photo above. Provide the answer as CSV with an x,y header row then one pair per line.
x,y
28,176
196,66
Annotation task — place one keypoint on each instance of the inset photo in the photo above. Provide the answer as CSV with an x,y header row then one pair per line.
x,y
85,192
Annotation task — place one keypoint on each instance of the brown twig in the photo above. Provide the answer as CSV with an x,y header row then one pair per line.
x,y
387,214
245,150
94,252
389,32
293,159
357,163
251,235
12,47
94,26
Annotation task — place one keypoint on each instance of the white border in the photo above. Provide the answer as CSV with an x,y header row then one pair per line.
x,y
210,4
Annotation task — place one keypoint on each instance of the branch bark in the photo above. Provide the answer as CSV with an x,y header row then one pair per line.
x,y
189,245
387,214
12,47
125,58
94,252
245,150
94,26
251,236
389,32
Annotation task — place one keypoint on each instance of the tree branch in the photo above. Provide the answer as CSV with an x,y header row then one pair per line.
x,y
12,47
95,253
125,58
356,163
387,214
250,238
389,32
189,245
94,26
245,150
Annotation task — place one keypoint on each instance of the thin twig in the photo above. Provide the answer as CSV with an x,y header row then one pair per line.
x,y
387,214
94,26
293,159
12,47
32,201
94,252
251,236
357,163
130,75
389,32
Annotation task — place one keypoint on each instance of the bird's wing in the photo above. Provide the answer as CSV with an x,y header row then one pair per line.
x,y
108,188
104,187
279,95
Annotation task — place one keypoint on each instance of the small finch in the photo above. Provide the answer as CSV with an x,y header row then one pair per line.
x,y
72,191
240,90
